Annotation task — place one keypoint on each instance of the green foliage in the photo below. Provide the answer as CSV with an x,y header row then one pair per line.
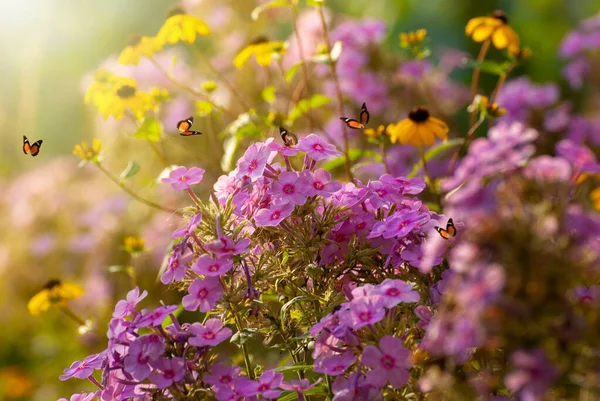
x,y
132,169
150,130
306,105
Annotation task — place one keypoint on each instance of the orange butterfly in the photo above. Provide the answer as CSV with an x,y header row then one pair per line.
x,y
184,125
450,230
34,149
356,124
289,138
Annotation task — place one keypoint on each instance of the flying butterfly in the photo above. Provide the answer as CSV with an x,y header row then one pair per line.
x,y
34,149
288,138
450,230
184,127
363,119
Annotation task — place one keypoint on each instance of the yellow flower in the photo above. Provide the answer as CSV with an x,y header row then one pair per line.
x,y
481,105
412,39
419,129
54,293
114,94
595,198
374,133
139,46
88,154
134,245
181,27
494,27
264,53
209,86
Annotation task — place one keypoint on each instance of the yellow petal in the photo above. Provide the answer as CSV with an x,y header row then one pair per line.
x,y
243,56
474,23
39,303
482,32
426,134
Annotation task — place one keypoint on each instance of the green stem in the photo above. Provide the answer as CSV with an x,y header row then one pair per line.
x,y
465,144
475,80
249,370
133,194
67,311
157,153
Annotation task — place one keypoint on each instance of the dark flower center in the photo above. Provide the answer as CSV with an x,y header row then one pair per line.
x,y
392,292
126,91
418,115
318,185
210,335
134,40
175,11
202,293
51,284
275,215
169,373
288,189
500,15
387,362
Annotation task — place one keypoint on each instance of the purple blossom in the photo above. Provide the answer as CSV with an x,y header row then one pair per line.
x,y
177,266
127,307
287,189
318,183
80,397
411,186
156,317
355,388
393,292
576,71
424,314
284,150
182,178
335,365
267,385
212,267
532,374
571,45
587,295
254,161
271,217
316,147
546,169
221,375
141,353
211,333
191,227
167,371
203,294
226,246
299,386
389,363
362,312
83,369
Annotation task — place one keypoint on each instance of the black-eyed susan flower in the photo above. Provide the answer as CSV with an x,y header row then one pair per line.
x,y
134,245
87,153
264,52
419,129
374,132
137,47
494,27
181,27
54,293
115,94
409,40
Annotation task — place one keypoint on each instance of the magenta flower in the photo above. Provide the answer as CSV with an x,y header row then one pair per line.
x,y
254,161
288,189
225,246
424,314
299,386
127,307
182,178
411,186
142,351
335,365
207,266
156,317
362,312
393,292
211,333
192,225
177,267
80,397
221,375
284,150
318,183
203,294
532,374
389,362
167,371
267,385
274,215
317,148
83,369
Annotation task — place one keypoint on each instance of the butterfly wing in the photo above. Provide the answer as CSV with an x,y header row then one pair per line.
x,y
186,124
26,145
450,228
190,133
288,138
35,148
352,123
364,114
445,234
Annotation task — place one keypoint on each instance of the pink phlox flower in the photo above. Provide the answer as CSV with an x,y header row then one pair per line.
x,y
272,216
283,149
318,183
335,365
182,178
178,263
363,311
317,148
211,333
167,371
226,246
288,188
390,363
191,227
221,375
212,267
203,294
83,369
393,292
156,317
127,307
254,161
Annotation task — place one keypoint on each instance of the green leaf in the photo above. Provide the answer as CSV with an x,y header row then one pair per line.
x,y
268,94
433,152
289,75
119,269
149,130
491,67
294,368
305,105
132,169
204,108
243,335
315,3
354,154
291,302
286,257
272,4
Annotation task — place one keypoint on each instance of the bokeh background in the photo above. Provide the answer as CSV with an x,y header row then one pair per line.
x,y
59,221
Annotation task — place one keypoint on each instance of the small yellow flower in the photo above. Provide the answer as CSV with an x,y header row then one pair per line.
x,y
412,39
496,28
482,106
54,293
114,94
419,129
139,46
374,133
181,27
209,86
88,154
134,245
264,53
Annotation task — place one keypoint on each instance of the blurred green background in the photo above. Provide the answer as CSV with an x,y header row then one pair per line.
x,y
47,48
